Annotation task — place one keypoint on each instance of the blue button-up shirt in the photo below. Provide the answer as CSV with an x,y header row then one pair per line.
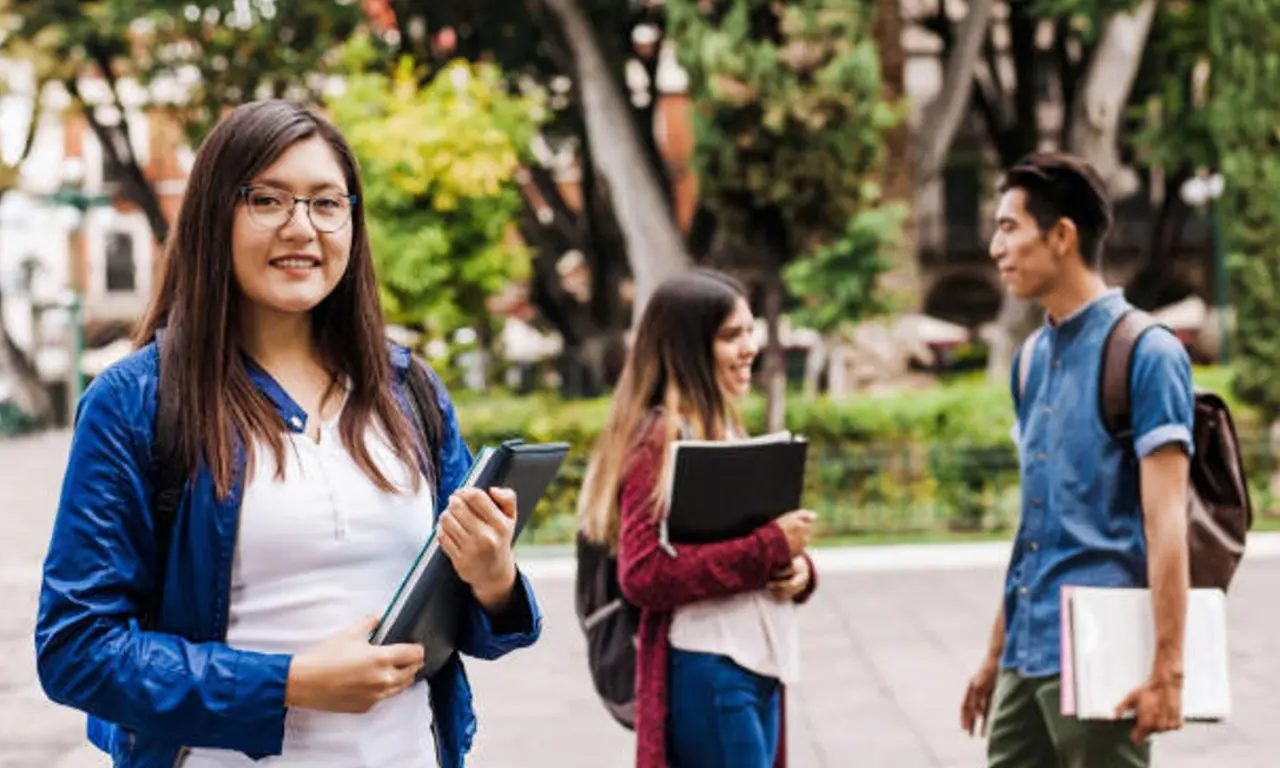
x,y
1081,501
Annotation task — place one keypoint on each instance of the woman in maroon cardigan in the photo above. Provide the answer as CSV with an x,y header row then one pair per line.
x,y
717,637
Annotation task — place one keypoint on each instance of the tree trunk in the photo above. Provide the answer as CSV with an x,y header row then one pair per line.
x,y
1095,119
20,384
815,363
775,363
654,247
117,147
902,280
944,115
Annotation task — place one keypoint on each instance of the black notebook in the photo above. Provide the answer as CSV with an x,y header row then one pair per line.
x,y
427,607
724,489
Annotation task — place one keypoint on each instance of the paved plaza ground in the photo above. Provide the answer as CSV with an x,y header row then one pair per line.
x,y
889,641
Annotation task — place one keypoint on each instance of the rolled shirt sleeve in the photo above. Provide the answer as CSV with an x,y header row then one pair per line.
x,y
1162,400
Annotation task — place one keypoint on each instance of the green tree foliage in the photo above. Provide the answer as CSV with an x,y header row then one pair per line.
x,y
791,126
839,282
1177,136
439,158
1246,121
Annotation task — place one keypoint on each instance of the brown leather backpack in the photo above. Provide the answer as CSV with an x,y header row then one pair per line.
x,y
1219,512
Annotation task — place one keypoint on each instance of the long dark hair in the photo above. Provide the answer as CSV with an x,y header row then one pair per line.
x,y
197,306
671,365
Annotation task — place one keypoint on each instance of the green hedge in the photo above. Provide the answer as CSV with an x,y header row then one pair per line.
x,y
915,461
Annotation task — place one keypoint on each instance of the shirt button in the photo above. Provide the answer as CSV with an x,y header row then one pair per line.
x,y
296,422
1041,456
1048,409
1037,502
1035,546
1057,365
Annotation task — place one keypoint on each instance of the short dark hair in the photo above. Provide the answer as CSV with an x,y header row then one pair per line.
x,y
1062,186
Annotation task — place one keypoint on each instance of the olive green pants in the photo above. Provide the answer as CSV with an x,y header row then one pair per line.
x,y
1028,731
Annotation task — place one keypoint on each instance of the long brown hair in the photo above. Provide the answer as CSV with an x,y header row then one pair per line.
x,y
670,367
197,307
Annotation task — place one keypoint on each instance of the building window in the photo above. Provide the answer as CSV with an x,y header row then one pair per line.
x,y
121,270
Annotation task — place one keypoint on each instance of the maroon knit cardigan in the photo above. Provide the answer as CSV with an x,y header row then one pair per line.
x,y
658,584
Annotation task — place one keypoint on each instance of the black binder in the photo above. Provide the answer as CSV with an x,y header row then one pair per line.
x,y
725,489
427,607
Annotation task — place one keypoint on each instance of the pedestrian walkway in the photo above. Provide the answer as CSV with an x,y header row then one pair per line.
x,y
889,642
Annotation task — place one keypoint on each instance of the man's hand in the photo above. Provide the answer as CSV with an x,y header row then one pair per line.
x,y
975,710
476,533
1158,703
788,583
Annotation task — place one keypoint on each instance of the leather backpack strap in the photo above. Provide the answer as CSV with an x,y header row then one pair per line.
x,y
1117,368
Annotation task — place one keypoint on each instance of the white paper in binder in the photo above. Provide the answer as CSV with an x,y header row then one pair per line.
x,y
1108,645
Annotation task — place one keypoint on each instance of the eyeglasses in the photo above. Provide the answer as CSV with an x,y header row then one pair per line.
x,y
272,208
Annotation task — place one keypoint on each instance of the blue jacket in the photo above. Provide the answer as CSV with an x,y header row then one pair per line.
x,y
151,695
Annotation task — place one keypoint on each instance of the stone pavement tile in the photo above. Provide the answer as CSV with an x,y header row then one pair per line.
x,y
84,756
17,663
543,695
33,731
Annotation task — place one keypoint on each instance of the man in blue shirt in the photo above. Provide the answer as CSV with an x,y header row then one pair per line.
x,y
1096,510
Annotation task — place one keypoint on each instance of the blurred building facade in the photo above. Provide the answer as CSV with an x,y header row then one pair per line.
x,y
105,253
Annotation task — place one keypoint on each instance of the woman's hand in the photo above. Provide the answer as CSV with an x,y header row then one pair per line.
x,y
476,534
788,583
347,674
797,526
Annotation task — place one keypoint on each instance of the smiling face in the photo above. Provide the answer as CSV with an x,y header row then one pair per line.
x,y
1030,260
289,268
734,350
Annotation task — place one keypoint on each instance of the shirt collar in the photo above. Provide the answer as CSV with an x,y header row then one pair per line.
x,y
295,418
1073,322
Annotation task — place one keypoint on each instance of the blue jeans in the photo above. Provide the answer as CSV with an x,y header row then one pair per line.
x,y
720,715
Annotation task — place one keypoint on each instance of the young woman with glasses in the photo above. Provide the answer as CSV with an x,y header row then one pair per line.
x,y
309,499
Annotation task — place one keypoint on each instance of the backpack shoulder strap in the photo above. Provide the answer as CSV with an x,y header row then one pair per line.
x,y
421,394
169,476
1025,355
1117,367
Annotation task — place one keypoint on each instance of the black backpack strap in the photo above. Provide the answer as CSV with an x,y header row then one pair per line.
x,y
169,474
425,410
1117,369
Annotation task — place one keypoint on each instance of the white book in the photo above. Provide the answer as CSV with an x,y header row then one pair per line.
x,y
1108,646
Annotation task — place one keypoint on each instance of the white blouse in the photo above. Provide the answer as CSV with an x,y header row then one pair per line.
x,y
315,553
759,632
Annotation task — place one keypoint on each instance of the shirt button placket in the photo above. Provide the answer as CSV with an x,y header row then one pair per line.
x,y
324,453
339,516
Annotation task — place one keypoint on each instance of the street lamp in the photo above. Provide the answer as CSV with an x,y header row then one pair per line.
x,y
1201,192
70,195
